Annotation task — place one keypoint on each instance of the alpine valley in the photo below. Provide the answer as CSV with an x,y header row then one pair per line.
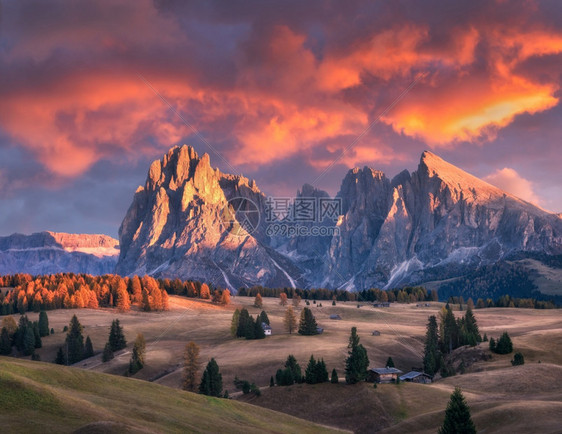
x,y
438,226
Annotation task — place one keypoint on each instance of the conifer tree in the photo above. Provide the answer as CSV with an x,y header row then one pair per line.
x,y
123,300
307,324
432,355
137,358
321,372
492,345
191,366
357,361
310,372
271,382
61,357
504,344
243,321
74,341
334,379
389,362
518,359
259,332
292,365
43,324
457,416
88,348
116,337
35,326
264,318
107,353
234,323
5,343
290,320
211,383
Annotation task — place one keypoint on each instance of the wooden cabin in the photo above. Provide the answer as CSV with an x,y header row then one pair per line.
x,y
417,377
383,375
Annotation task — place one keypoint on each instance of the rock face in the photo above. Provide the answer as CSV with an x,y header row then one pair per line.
x,y
390,232
176,227
52,252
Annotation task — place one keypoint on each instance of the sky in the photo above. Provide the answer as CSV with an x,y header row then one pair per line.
x,y
285,92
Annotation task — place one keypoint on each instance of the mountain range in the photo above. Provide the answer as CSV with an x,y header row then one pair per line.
x,y
190,220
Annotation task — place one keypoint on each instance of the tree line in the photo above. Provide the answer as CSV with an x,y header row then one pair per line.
x,y
71,291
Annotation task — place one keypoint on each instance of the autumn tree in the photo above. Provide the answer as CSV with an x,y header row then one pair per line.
x,y
258,302
205,292
307,324
290,320
137,358
225,297
283,299
191,366
123,300
211,382
357,361
296,300
457,416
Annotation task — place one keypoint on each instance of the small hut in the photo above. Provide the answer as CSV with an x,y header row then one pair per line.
x,y
383,375
416,377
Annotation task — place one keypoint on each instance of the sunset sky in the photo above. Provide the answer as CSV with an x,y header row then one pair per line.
x,y
278,88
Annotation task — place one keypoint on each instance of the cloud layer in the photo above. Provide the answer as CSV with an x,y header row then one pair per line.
x,y
268,83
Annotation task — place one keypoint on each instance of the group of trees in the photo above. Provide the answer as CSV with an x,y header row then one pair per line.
x,y
69,290
74,348
25,335
316,371
291,374
243,324
503,345
116,341
211,382
450,334
504,301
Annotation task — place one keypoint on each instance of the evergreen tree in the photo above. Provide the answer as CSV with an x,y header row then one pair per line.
x,y
457,416
389,362
250,330
28,341
271,382
357,361
264,318
43,324
20,333
290,320
5,343
88,348
35,326
61,358
137,358
116,337
432,355
243,321
211,383
492,345
258,301
518,359
335,379
191,366
321,372
75,341
234,323
310,372
307,324
259,332
450,330
107,353
293,366
504,344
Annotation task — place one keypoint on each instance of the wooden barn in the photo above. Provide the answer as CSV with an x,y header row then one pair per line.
x,y
416,377
383,375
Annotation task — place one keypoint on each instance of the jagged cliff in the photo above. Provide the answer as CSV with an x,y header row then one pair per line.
x,y
389,233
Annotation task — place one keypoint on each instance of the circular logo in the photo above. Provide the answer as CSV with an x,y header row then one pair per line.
x,y
240,216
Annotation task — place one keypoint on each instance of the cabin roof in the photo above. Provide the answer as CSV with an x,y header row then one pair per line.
x,y
414,374
386,370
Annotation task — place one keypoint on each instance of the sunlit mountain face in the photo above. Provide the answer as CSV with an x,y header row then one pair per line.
x,y
286,93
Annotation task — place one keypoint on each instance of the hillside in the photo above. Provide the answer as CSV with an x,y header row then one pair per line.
x,y
40,397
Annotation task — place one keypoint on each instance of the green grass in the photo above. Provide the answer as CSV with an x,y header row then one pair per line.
x,y
41,397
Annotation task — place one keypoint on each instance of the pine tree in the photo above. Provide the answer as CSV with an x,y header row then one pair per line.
x,y
250,330
234,323
137,358
211,383
258,302
290,320
518,359
432,355
243,320
492,345
457,416
310,372
271,382
389,362
61,358
88,348
5,343
264,318
292,365
107,353
75,341
20,333
191,366
504,344
43,324
307,324
450,330
35,326
116,337
259,332
321,372
357,361
334,379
